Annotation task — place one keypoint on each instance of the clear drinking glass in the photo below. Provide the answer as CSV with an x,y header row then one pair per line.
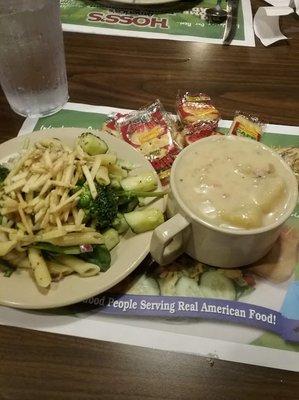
x,y
32,62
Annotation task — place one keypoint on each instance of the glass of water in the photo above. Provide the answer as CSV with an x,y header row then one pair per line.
x,y
32,62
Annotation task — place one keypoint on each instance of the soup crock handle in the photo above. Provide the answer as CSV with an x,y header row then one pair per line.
x,y
167,240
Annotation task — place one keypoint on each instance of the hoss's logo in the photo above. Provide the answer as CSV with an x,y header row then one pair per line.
x,y
140,21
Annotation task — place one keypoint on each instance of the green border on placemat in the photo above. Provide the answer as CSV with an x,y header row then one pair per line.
x,y
69,119
190,22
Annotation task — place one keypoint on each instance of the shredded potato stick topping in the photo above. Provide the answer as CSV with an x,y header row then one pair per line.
x,y
37,203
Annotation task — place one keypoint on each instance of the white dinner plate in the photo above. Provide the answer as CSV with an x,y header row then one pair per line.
x,y
20,291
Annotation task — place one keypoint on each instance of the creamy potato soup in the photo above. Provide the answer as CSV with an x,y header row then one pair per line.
x,y
232,183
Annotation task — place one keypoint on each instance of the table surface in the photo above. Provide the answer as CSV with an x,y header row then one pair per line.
x,y
128,72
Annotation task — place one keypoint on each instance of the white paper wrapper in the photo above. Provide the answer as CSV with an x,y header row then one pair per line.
x,y
285,3
295,3
266,23
280,3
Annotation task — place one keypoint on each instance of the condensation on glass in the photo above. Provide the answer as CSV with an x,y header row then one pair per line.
x,y
32,61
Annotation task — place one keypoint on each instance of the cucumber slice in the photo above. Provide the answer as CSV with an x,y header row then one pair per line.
x,y
92,144
144,182
111,238
215,285
120,224
187,287
144,285
116,172
144,220
125,164
108,159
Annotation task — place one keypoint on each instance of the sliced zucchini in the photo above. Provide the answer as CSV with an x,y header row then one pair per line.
x,y
144,220
187,287
143,201
120,224
92,144
146,182
125,164
215,285
111,238
144,285
116,172
108,159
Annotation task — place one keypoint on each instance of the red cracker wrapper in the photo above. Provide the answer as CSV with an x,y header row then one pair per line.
x,y
194,132
198,117
110,126
196,108
152,131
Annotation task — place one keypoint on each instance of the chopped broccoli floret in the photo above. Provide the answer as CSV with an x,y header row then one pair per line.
x,y
104,208
3,173
109,201
85,198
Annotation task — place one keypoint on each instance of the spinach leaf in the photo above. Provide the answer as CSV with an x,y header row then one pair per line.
x,y
6,268
74,250
99,256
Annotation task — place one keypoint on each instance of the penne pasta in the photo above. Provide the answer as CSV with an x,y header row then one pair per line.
x,y
39,268
75,239
82,268
102,176
58,271
6,247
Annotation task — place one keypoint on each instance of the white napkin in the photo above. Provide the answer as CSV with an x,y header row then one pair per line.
x,y
266,23
280,3
295,3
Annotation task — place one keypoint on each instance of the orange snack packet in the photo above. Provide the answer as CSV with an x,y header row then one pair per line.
x,y
247,126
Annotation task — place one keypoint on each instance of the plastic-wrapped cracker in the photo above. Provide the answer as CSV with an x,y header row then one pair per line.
x,y
247,125
196,108
198,116
153,132
110,126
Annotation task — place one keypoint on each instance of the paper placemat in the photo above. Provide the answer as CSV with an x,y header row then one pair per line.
x,y
259,328
188,25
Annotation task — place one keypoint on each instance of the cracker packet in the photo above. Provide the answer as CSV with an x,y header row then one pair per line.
x,y
197,115
110,126
196,108
247,125
194,132
153,132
